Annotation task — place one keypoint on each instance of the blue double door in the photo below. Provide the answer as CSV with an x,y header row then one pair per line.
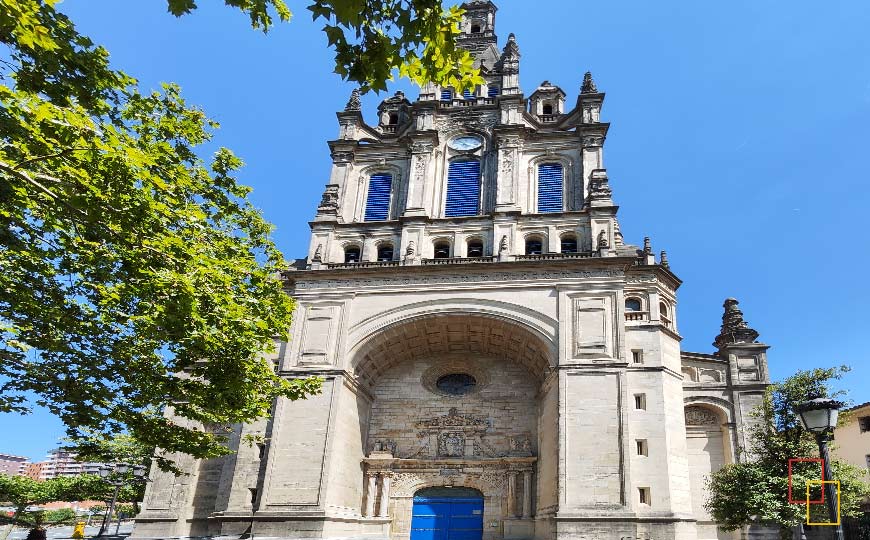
x,y
447,517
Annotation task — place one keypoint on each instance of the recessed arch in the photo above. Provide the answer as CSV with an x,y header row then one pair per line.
x,y
429,330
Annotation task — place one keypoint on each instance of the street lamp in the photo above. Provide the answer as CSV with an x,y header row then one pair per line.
x,y
113,474
819,415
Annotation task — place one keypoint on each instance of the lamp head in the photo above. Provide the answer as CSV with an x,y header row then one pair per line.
x,y
819,415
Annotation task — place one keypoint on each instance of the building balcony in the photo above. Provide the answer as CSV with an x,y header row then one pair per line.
x,y
460,260
636,316
555,256
549,118
363,264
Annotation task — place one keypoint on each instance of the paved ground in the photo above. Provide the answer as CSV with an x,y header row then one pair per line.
x,y
57,533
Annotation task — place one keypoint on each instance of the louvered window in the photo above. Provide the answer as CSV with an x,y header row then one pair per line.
x,y
378,201
446,94
463,188
550,187
467,94
493,91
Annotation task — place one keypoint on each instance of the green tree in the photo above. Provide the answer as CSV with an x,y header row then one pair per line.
x,y
22,492
135,276
756,489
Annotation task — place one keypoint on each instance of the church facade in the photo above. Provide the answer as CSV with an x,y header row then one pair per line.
x,y
499,363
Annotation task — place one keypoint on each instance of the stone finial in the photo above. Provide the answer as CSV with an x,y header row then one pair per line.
x,y
329,200
318,254
588,84
618,240
354,103
664,259
734,328
647,246
599,189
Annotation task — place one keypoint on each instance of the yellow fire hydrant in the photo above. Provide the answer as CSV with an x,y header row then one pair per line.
x,y
79,530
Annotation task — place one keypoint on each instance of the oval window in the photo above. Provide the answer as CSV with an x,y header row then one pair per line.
x,y
456,384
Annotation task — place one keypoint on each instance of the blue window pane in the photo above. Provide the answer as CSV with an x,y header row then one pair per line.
x,y
378,202
446,94
467,94
550,187
463,188
493,91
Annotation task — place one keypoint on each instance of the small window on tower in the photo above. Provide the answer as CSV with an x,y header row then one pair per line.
x,y
493,91
351,254
385,252
569,244
446,94
632,304
475,28
442,250
548,108
534,246
394,119
467,94
640,402
475,248
643,495
642,449
637,356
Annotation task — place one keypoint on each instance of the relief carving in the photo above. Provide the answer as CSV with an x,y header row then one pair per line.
x,y
699,416
454,419
451,444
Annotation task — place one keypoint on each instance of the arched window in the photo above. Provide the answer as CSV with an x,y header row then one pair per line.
x,y
463,188
550,178
378,200
351,254
446,94
633,304
665,314
548,108
442,249
385,252
475,247
394,119
534,246
569,244
493,91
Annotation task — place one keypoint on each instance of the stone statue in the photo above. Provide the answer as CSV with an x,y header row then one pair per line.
x,y
318,253
503,245
588,84
602,240
354,103
411,249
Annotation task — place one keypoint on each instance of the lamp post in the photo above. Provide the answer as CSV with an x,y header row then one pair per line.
x,y
113,474
819,415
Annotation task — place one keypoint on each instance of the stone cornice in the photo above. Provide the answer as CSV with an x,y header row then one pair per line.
x,y
513,271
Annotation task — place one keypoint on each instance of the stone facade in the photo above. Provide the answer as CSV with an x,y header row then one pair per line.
x,y
523,351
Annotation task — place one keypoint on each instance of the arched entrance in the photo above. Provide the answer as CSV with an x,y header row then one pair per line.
x,y
442,513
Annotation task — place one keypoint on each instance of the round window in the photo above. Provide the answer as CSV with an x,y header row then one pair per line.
x,y
456,384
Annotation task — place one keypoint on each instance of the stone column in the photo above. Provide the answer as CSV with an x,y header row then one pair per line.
x,y
527,494
421,152
506,179
371,494
512,494
385,495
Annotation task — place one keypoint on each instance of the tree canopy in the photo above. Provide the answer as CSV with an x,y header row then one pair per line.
x,y
135,275
755,490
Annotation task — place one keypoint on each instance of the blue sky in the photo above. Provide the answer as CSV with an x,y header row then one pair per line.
x,y
739,144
